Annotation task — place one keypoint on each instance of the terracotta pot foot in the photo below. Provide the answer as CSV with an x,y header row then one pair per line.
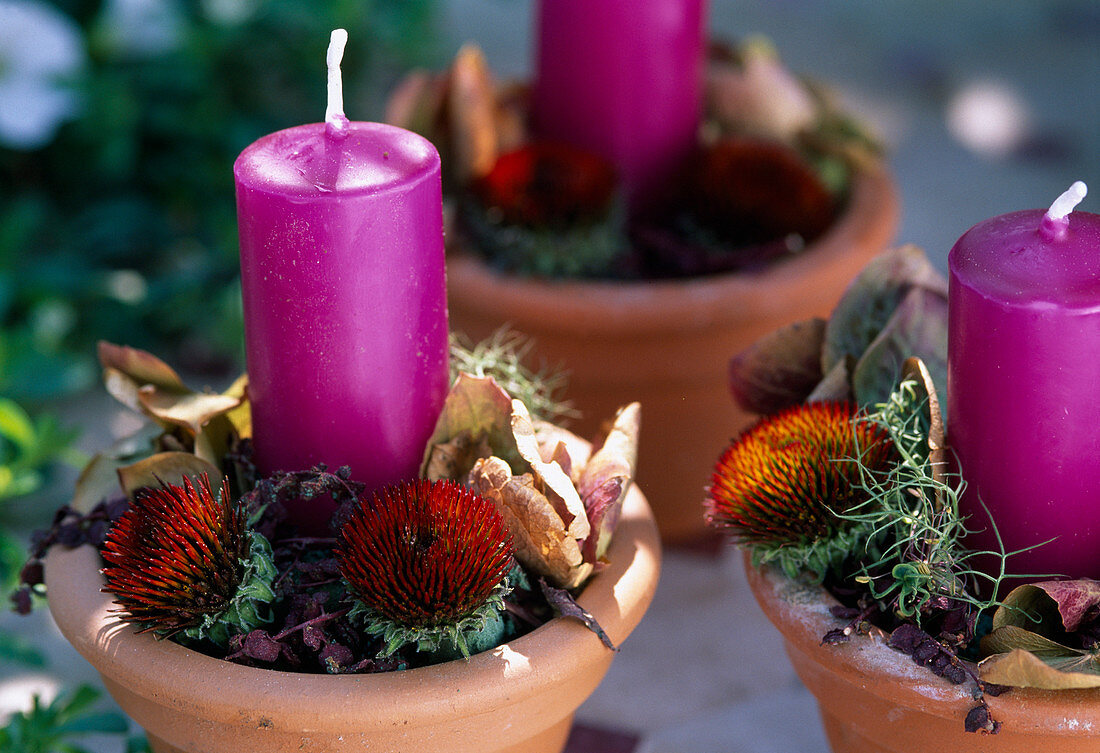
x,y
159,746
844,739
551,740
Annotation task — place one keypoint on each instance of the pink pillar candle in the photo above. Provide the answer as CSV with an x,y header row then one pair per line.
x,y
342,271
1023,386
622,79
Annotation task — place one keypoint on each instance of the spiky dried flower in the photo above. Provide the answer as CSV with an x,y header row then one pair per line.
x,y
181,561
779,485
428,563
548,183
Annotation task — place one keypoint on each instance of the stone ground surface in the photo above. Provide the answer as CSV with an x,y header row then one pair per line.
x,y
705,673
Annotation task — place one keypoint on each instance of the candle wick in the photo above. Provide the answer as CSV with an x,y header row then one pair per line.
x,y
1055,223
335,120
1068,201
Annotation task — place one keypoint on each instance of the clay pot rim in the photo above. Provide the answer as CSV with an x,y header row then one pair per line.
x,y
623,306
800,612
618,596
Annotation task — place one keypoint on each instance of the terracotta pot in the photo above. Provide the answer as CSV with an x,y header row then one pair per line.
x,y
518,698
668,343
874,699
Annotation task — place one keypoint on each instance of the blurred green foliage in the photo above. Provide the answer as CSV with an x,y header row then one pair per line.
x,y
123,227
56,727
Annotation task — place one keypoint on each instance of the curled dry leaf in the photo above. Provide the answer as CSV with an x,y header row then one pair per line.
x,y
99,480
166,467
872,298
606,478
780,369
1057,604
127,370
760,95
541,540
555,482
475,422
1022,643
1027,660
563,446
918,325
205,424
471,110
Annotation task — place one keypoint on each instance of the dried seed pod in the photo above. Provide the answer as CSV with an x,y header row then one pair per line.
x,y
781,481
427,562
181,560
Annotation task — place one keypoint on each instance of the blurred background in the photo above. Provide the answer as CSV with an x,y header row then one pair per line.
x,y
120,120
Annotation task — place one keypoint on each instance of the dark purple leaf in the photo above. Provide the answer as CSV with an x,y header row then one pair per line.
x,y
835,637
31,574
259,645
780,369
21,600
565,605
313,636
979,720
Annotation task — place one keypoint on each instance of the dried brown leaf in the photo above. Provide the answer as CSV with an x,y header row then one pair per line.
x,y
555,481
1058,604
476,415
780,369
169,467
607,477
539,536
471,110
1023,669
99,479
190,411
126,370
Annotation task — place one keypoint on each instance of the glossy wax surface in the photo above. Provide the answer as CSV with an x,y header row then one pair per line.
x,y
623,79
343,279
1023,386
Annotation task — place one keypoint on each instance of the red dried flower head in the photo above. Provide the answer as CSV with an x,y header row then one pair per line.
x,y
548,183
780,481
424,553
756,190
175,557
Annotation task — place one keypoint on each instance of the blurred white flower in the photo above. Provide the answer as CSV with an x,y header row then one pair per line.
x,y
142,28
990,118
41,53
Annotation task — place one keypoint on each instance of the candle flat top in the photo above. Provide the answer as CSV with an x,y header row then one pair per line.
x,y
305,161
1007,258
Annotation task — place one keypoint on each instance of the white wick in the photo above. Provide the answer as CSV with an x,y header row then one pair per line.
x,y
334,115
1068,201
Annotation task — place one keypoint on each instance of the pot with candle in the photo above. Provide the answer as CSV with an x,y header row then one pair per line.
x,y
457,581
616,214
437,615
859,534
